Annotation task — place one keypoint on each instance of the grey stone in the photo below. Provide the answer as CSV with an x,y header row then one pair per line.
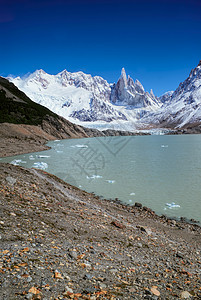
x,y
102,285
29,279
185,295
29,296
73,254
11,180
68,289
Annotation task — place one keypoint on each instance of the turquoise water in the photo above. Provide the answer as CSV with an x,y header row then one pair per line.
x,y
154,170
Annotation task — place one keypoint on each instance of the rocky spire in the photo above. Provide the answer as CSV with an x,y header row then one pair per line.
x,y
139,87
123,77
152,94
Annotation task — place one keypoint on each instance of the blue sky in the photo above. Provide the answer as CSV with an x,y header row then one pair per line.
x,y
158,42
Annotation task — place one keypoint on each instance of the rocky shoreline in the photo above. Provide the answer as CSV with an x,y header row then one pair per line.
x,y
58,242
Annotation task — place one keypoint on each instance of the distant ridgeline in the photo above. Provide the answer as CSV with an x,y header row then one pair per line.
x,y
17,108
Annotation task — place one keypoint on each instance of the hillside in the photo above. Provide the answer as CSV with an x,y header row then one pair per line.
x,y
58,242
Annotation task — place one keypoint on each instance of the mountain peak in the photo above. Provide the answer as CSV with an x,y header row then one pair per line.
x,y
199,65
63,72
123,72
123,77
152,93
40,72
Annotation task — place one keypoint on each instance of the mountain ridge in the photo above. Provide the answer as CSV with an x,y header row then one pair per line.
x,y
84,99
183,107
93,102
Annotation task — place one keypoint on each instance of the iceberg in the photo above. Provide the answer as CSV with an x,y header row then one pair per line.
x,y
172,205
31,157
110,181
16,162
94,177
79,146
40,165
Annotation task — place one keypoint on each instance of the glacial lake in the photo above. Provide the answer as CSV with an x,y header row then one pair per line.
x,y
162,172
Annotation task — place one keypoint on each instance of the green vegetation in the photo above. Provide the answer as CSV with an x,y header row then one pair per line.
x,y
17,108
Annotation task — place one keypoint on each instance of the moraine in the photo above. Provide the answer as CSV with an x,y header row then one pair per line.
x,y
161,172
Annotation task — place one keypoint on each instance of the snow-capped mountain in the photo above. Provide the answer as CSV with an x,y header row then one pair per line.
x,y
88,100
183,107
128,92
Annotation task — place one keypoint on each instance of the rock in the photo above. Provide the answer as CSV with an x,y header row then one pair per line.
x,y
102,286
148,209
13,214
113,271
66,277
57,275
11,180
155,291
137,204
174,222
29,296
34,291
185,295
73,254
180,255
88,276
68,290
118,225
145,229
29,279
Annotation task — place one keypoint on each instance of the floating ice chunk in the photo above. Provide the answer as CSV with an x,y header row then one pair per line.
x,y
172,205
132,194
43,156
16,162
31,157
55,141
79,146
94,177
130,200
110,181
164,146
40,165
58,151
